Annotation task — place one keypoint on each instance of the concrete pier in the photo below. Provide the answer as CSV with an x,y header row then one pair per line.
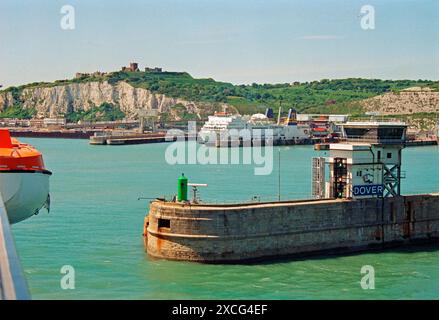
x,y
13,285
357,206
246,232
120,139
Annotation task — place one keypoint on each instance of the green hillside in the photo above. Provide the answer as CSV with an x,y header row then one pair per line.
x,y
329,96
324,96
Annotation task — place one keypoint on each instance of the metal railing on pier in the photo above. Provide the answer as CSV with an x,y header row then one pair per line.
x,y
374,139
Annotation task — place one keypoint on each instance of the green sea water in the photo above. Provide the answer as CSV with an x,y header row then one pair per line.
x,y
96,222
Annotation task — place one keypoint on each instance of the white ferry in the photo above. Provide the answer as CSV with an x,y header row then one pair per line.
x,y
223,125
220,124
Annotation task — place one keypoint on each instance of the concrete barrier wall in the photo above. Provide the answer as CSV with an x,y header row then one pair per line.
x,y
228,233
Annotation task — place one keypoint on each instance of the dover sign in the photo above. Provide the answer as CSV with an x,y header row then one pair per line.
x,y
368,190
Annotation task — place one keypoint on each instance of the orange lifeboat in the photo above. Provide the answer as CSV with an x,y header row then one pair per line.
x,y
24,180
15,155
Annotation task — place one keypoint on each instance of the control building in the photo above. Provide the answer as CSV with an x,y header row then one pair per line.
x,y
366,164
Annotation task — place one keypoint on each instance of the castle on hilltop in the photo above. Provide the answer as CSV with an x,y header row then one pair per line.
x,y
133,67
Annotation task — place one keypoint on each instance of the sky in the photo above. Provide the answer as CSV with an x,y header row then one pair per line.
x,y
238,41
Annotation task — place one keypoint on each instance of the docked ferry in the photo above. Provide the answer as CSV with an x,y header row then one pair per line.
x,y
24,180
285,131
221,124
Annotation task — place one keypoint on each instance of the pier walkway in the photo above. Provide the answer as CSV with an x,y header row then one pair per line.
x,y
13,285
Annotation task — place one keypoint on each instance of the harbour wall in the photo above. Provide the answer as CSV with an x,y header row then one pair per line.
x,y
61,134
259,231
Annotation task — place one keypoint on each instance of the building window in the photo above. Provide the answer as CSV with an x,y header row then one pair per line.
x,y
379,155
164,223
389,155
359,173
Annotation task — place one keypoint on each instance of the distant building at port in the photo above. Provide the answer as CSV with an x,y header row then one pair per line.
x,y
51,123
326,117
323,125
54,122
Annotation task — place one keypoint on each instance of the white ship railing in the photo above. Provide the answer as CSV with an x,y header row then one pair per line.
x,y
13,285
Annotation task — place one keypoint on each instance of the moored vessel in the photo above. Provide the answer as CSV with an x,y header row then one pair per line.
x,y
224,129
221,124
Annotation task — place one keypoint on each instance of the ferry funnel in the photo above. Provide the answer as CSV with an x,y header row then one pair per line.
x,y
269,113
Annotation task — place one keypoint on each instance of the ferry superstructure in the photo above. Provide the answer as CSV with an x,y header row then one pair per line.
x,y
259,126
286,130
24,180
220,124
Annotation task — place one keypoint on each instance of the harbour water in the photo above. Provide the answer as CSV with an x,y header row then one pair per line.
x,y
96,221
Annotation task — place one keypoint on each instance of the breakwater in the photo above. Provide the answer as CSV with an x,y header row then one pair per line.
x,y
259,231
61,134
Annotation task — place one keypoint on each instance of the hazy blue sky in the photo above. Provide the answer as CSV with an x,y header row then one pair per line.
x,y
240,41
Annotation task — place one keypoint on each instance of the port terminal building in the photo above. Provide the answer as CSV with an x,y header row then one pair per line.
x,y
367,162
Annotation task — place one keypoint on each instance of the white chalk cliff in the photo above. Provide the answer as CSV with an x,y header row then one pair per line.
x,y
51,101
407,101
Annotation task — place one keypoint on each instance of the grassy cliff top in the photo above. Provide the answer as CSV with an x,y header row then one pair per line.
x,y
326,96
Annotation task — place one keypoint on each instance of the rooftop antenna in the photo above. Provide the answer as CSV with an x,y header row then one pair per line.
x,y
195,186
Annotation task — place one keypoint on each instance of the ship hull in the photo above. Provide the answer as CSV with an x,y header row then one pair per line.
x,y
24,193
278,135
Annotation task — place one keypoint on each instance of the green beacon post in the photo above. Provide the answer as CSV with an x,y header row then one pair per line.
x,y
182,188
